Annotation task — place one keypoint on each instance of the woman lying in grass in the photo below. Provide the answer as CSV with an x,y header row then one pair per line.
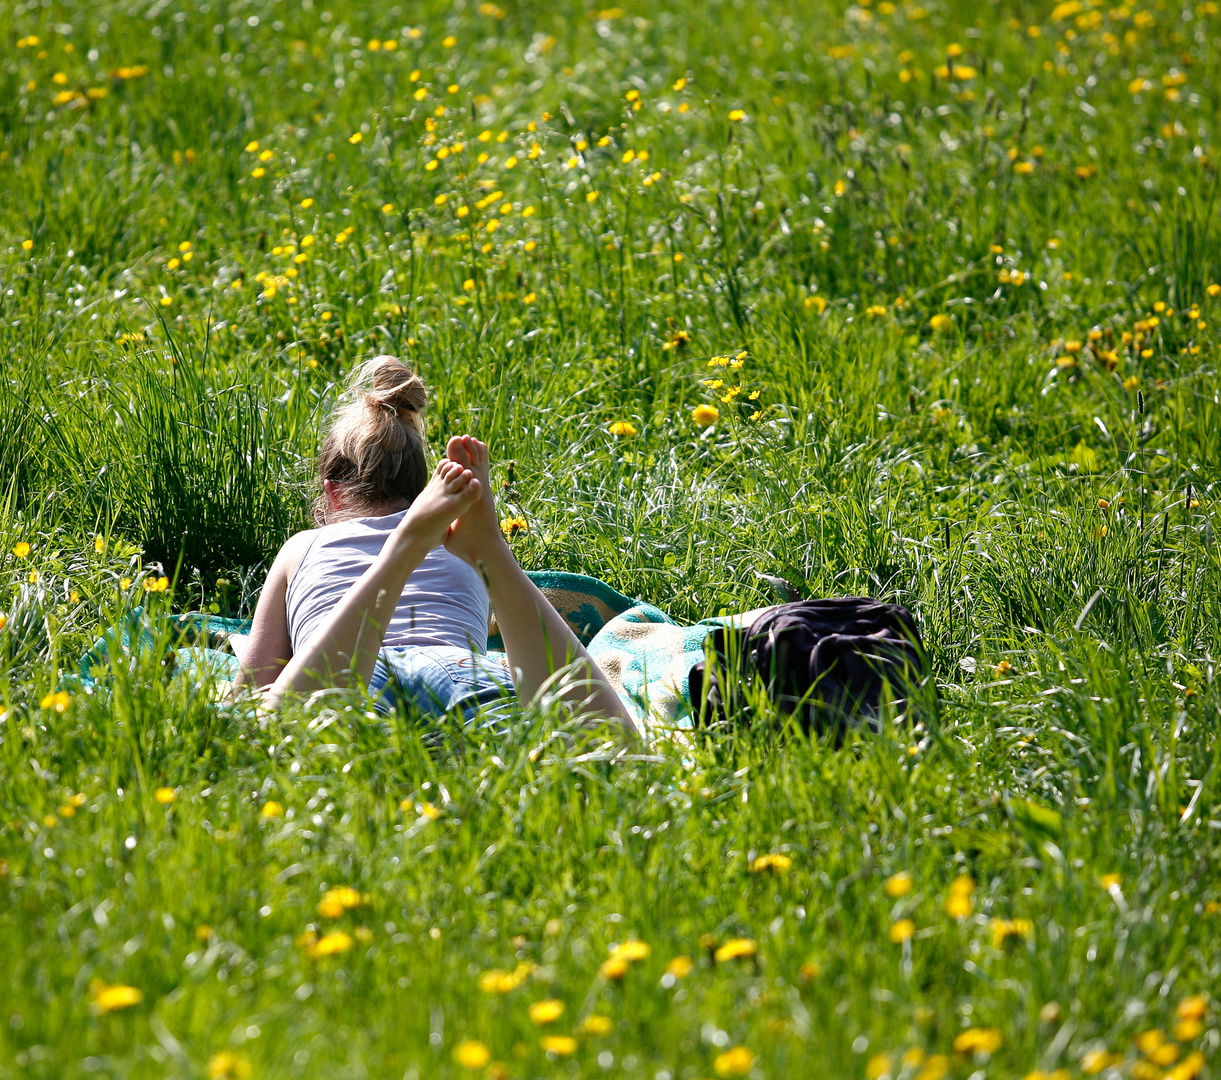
x,y
387,593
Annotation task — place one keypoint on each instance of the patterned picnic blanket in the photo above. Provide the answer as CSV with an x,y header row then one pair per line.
x,y
645,654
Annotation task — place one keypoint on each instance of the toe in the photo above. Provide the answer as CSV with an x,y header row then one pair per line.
x,y
476,451
457,450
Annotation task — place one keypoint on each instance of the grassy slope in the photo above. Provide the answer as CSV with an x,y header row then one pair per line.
x,y
958,470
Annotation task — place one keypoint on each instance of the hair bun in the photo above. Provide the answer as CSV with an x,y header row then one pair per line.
x,y
387,382
375,445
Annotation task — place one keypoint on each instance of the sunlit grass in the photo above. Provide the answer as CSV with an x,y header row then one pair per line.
x,y
909,300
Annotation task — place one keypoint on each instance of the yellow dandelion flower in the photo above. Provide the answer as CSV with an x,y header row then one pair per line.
x,y
1192,1008
272,809
356,137
1186,1030
735,1062
597,1024
1098,1059
1165,1054
21,549
165,795
109,999
1110,881
27,245
496,981
623,429
631,951
736,949
472,1054
336,901
776,863
979,1041
560,1045
902,931
1003,929
330,945
545,1012
877,1067
705,415
680,967
1188,1069
57,701
959,905
1148,1041
227,1065
737,115
899,884
613,968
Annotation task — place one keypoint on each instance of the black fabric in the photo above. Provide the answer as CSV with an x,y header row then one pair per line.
x,y
825,661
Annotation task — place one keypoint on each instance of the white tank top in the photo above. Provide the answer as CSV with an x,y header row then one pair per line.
x,y
444,601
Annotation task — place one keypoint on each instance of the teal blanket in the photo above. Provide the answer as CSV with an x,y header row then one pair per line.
x,y
645,654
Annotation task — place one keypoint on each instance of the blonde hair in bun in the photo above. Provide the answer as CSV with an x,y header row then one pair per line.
x,y
375,446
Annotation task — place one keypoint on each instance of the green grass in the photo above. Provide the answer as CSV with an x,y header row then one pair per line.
x,y
855,235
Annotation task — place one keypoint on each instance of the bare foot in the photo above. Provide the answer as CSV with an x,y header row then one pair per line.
x,y
478,527
451,492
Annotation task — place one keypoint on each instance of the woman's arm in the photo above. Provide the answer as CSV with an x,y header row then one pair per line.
x,y
343,650
269,647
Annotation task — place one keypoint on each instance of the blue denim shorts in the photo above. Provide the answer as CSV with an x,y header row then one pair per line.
x,y
438,679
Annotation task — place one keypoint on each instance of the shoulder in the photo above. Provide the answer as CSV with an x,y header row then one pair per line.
x,y
290,555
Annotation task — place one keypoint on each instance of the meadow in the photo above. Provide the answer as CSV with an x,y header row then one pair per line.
x,y
916,300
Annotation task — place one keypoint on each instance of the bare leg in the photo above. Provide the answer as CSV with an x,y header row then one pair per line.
x,y
537,638
344,649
